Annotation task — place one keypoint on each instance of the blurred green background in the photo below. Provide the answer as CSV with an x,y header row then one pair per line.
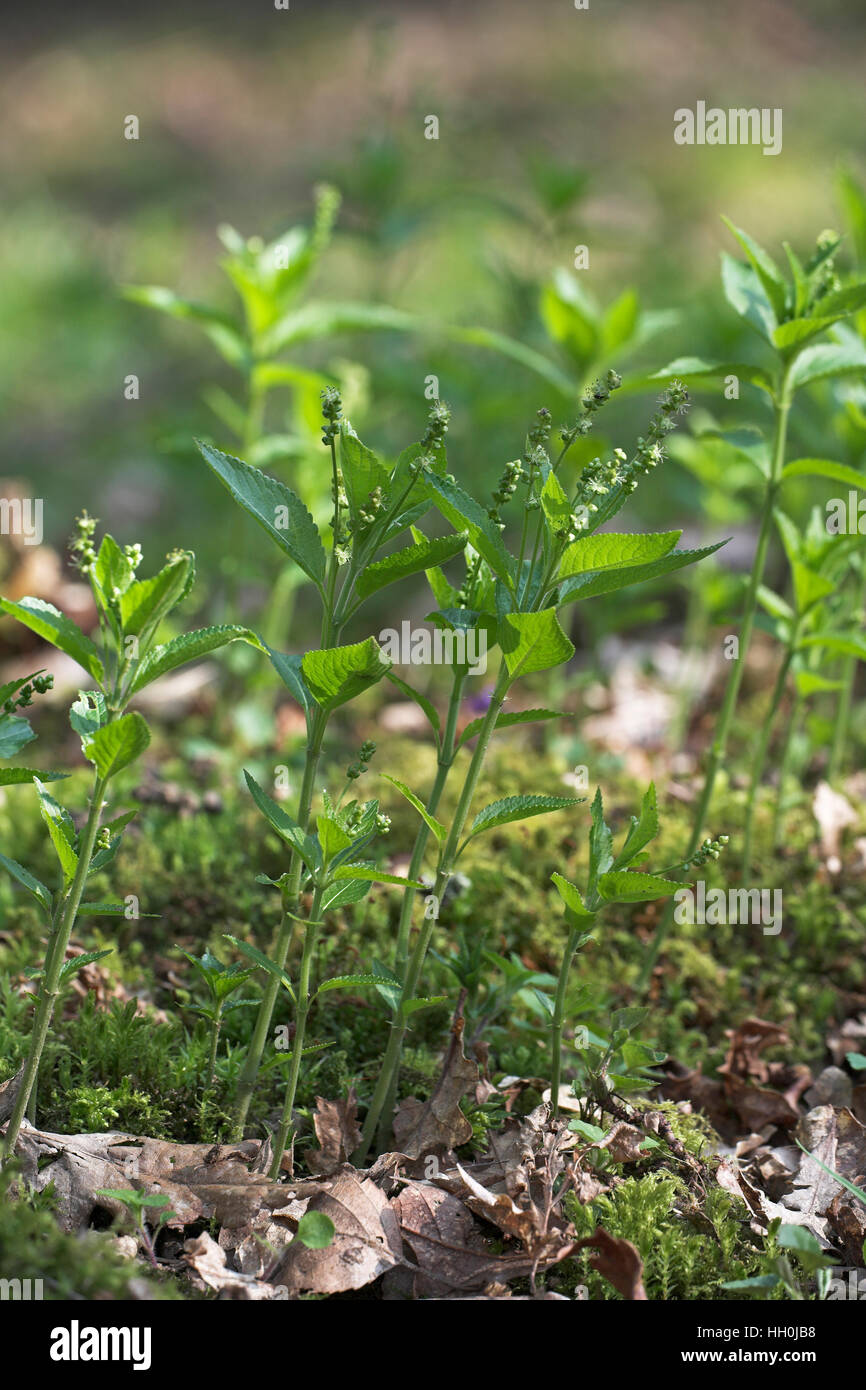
x,y
556,129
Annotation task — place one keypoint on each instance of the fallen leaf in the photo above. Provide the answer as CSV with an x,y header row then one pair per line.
x,y
618,1262
438,1124
366,1241
338,1132
209,1262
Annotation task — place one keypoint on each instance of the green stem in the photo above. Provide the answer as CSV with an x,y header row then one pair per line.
x,y
759,756
846,694
558,1019
214,1044
252,1062
55,957
285,1133
391,1060
784,769
723,726
404,929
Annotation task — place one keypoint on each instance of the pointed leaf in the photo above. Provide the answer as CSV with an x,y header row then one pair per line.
x,y
275,507
335,675
506,721
286,828
516,808
533,642
48,622
436,826
411,560
116,745
825,468
628,887
572,899
612,550
190,646
467,515
41,893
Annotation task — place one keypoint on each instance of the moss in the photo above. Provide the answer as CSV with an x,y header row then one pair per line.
x,y
684,1257
32,1246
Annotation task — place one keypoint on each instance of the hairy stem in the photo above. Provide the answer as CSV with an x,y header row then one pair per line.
x,y
846,694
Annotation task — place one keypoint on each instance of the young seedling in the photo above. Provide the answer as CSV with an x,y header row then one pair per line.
x,y
138,1205
612,879
126,659
561,559
221,982
335,873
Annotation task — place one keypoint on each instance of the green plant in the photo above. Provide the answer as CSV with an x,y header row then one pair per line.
x,y
514,601
373,505
790,315
813,626
336,875
781,1274
131,612
137,1204
221,981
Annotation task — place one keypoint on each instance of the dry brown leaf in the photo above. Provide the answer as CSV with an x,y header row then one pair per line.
x,y
618,1262
438,1124
366,1241
838,1140
209,1262
202,1181
338,1132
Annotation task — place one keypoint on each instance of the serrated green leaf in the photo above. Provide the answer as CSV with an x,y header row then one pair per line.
x,y
288,829
335,675
555,504
362,871
600,843
347,982
467,515
508,720
533,642
15,733
339,894
332,837
48,622
88,713
60,829
628,887
772,281
642,830
825,468
746,296
288,668
826,360
262,961
516,808
114,746
18,776
587,586
72,967
572,899
615,550
436,826
420,700
112,571
275,507
362,471
40,892
189,646
411,560
146,602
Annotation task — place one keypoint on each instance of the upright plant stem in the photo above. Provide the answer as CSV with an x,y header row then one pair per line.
x,y
784,769
311,932
759,758
214,1044
391,1060
729,703
558,1019
846,694
404,930
252,1062
55,957
446,758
